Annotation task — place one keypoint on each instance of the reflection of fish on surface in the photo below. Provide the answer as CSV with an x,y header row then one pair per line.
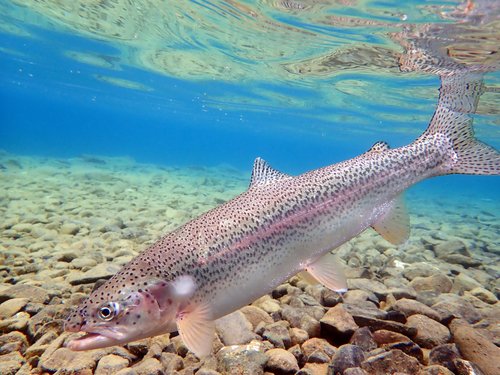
x,y
280,226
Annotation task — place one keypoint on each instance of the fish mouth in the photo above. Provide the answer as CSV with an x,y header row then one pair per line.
x,y
94,340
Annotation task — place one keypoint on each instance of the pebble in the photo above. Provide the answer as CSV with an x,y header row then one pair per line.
x,y
12,306
377,324
363,338
13,342
412,307
383,336
256,315
429,332
282,361
33,293
278,334
317,350
101,271
338,323
391,362
10,363
484,295
347,356
110,364
463,282
234,329
476,348
437,283
148,366
435,370
242,359
83,262
298,336
452,306
374,286
444,355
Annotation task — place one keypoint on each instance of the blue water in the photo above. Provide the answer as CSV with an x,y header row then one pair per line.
x,y
52,105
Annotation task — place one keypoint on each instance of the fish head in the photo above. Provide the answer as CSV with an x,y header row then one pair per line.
x,y
113,318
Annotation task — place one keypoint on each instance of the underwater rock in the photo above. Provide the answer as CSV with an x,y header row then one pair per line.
x,y
277,334
430,333
394,361
13,342
383,336
475,347
242,359
347,356
33,293
444,355
435,370
110,364
366,308
10,363
437,283
353,371
317,350
484,295
376,287
338,323
256,315
452,306
148,366
363,338
419,269
378,324
358,296
281,361
408,347
234,329
450,247
412,307
12,306
298,336
101,271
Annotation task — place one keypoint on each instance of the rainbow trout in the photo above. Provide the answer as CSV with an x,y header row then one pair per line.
x,y
282,225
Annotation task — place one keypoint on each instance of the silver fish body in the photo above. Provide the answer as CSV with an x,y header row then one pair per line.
x,y
281,225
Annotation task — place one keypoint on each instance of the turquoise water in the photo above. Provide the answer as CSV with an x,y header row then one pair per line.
x,y
302,84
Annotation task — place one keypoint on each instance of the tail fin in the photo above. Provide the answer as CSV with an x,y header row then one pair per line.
x,y
459,95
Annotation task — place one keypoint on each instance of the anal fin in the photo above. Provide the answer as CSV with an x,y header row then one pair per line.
x,y
197,328
328,271
394,223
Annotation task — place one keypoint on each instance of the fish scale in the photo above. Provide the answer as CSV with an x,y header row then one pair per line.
x,y
281,225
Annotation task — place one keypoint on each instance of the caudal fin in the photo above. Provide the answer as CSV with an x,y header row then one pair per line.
x,y
458,97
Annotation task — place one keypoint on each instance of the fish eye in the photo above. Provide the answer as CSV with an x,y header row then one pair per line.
x,y
108,311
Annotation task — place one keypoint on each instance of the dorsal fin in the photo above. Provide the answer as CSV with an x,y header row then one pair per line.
x,y
379,147
263,173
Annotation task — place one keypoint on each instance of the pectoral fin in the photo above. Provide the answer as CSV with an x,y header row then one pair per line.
x,y
394,224
196,327
327,270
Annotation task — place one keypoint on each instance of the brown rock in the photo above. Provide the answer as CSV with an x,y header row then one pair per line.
x,y
377,324
412,307
437,283
444,355
435,370
234,329
149,366
391,362
12,306
298,336
110,364
384,336
363,338
13,342
429,332
317,350
476,348
255,315
242,359
281,361
33,293
11,363
338,322
347,356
